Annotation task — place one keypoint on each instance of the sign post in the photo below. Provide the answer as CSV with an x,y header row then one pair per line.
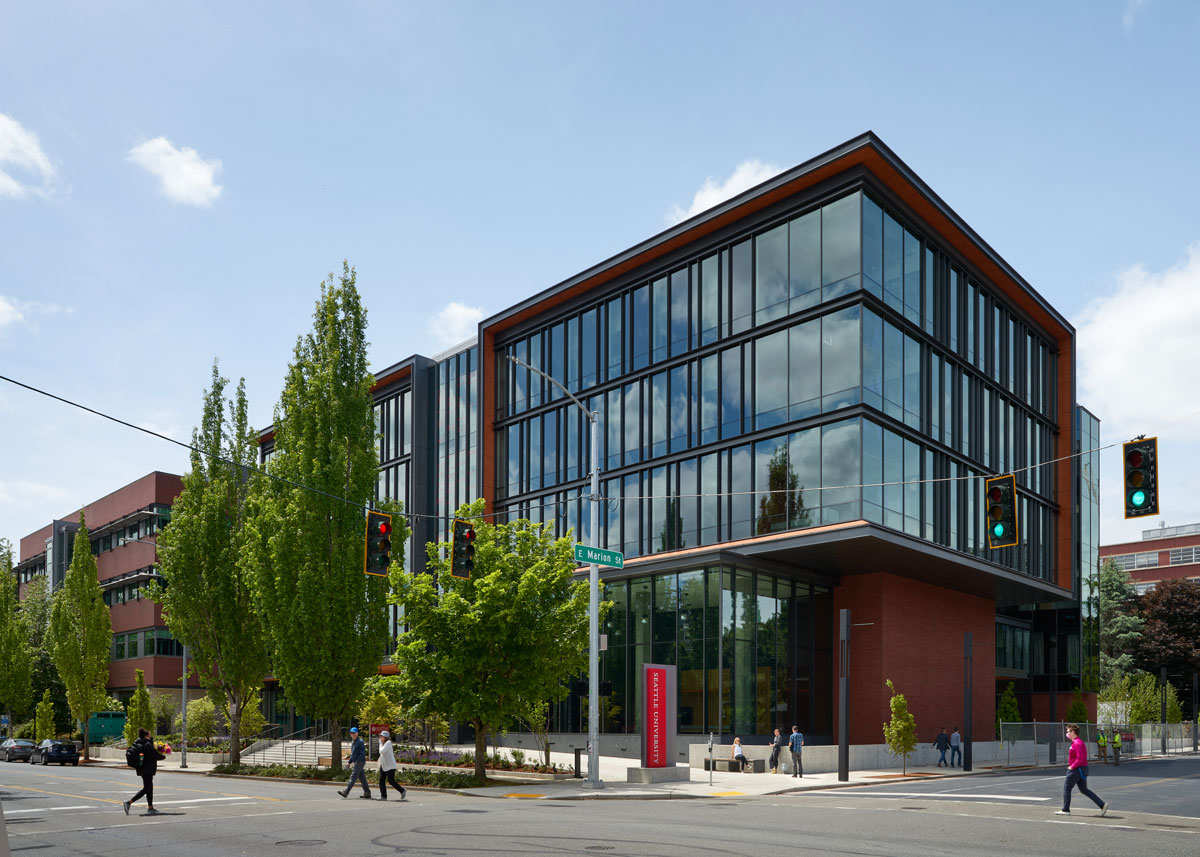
x,y
659,718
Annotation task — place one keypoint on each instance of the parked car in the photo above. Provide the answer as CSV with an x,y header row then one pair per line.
x,y
55,751
16,748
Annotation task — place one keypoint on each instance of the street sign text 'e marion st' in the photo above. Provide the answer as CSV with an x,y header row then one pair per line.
x,y
600,556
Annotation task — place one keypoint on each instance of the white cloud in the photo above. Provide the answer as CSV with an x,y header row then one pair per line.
x,y
1136,345
456,323
13,311
1132,9
1135,348
9,312
745,176
20,491
186,177
20,149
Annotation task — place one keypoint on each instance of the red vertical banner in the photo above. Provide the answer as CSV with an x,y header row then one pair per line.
x,y
656,730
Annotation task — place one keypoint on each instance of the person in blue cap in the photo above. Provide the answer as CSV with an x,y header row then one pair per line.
x,y
357,761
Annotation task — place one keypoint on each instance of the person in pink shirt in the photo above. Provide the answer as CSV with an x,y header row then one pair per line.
x,y
1077,771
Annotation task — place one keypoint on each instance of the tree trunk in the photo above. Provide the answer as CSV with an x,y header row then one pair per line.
x,y
86,746
480,750
235,730
335,740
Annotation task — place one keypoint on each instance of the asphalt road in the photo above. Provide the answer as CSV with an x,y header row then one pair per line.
x,y
77,811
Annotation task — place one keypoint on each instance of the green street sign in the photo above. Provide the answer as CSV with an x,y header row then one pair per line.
x,y
599,556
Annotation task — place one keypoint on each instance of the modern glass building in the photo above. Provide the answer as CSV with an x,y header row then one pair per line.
x,y
801,392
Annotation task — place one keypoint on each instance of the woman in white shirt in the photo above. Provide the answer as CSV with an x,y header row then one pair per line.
x,y
387,766
738,754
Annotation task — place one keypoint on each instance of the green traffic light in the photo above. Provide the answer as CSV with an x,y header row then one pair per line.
x,y
1137,498
998,531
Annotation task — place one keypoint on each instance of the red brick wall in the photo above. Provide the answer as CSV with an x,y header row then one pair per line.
x,y
916,640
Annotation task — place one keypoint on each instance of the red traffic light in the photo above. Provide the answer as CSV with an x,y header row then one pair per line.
x,y
382,527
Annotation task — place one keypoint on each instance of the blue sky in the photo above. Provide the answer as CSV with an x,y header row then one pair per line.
x,y
176,179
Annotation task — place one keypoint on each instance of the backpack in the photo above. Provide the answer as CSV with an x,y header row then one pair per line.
x,y
133,756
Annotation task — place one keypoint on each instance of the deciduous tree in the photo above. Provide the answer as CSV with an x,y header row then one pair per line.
x,y
16,691
43,721
80,636
209,597
140,713
326,619
900,732
1171,635
483,650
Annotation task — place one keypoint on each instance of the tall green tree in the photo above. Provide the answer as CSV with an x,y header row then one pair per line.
x,y
1007,711
209,595
1171,635
140,714
80,636
1120,626
43,720
900,732
16,690
326,619
483,650
35,609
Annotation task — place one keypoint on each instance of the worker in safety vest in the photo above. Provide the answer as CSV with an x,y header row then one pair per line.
x,y
1102,745
1116,745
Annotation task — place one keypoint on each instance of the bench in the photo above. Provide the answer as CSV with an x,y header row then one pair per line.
x,y
754,766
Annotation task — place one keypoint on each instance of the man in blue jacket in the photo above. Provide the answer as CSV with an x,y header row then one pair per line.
x,y
357,762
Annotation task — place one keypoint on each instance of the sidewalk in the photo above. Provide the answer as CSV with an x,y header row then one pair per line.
x,y
613,775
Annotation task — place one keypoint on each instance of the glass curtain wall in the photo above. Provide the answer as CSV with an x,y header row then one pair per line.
x,y
753,651
757,335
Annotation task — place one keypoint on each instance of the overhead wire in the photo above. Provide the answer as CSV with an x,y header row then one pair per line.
x,y
609,501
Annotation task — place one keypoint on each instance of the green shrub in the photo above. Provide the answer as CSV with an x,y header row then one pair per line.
x,y
435,779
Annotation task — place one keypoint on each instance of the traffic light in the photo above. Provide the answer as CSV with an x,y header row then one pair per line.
x,y
462,550
1001,493
1141,477
378,554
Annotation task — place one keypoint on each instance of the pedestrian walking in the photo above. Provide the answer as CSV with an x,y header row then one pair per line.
x,y
955,747
942,742
1077,773
1102,745
1116,746
776,748
147,767
796,746
357,761
738,754
387,766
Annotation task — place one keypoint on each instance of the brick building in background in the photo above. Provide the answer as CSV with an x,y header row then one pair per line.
x,y
122,528
1163,553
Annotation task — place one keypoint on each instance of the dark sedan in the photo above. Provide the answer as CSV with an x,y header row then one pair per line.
x,y
16,749
63,752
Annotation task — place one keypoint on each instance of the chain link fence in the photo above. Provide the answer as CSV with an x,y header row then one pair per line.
x,y
1044,743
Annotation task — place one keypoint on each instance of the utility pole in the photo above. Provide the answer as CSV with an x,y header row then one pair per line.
x,y
593,780
183,736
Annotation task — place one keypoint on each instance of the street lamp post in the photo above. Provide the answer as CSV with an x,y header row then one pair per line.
x,y
593,780
183,725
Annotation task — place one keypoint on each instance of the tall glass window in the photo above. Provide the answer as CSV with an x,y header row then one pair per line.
x,y
771,274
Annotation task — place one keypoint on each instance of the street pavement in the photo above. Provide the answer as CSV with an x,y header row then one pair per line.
x,y
69,811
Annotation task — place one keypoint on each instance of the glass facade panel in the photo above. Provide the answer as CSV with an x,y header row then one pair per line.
x,y
771,281
840,247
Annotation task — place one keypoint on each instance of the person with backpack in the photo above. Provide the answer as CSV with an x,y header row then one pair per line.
x,y
143,757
